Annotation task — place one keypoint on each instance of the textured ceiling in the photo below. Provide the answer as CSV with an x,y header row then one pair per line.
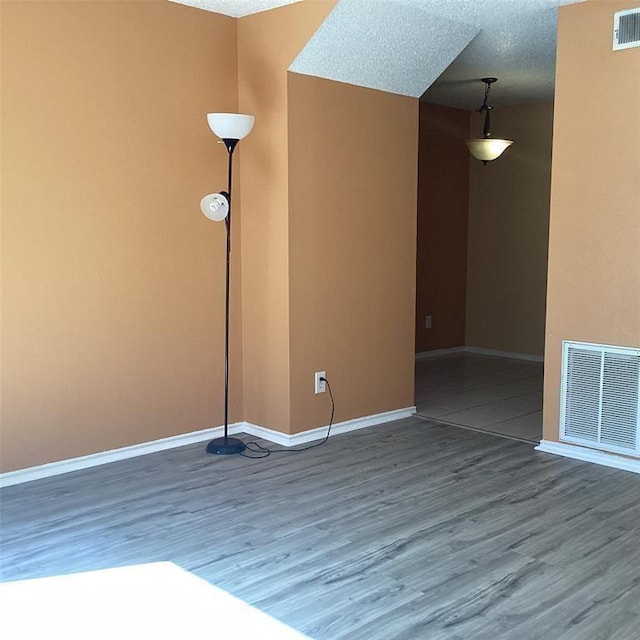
x,y
392,46
235,8
516,44
437,49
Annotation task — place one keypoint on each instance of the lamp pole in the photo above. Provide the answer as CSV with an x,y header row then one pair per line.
x,y
227,445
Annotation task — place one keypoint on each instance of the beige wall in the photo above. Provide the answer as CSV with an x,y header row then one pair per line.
x,y
352,231
357,329
267,44
112,279
112,327
508,234
594,244
443,211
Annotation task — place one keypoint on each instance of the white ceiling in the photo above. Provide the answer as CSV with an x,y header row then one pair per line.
x,y
441,47
235,8
382,44
516,44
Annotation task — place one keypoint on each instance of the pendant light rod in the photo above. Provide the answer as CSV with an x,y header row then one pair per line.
x,y
486,107
487,148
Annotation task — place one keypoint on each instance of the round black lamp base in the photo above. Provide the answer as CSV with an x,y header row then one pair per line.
x,y
226,446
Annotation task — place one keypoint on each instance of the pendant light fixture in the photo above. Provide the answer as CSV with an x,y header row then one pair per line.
x,y
487,148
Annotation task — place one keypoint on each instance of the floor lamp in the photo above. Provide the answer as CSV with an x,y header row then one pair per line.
x,y
230,128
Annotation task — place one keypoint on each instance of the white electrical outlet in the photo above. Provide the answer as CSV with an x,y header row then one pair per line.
x,y
428,320
320,385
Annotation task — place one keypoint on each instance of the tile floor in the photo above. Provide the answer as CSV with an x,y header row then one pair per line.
x,y
487,393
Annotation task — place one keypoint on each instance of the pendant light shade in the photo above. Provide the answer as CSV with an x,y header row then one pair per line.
x,y
230,126
487,148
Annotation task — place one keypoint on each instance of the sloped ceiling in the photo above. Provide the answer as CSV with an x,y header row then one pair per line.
x,y
434,49
393,46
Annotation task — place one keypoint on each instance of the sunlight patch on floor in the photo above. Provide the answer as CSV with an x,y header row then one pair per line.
x,y
157,600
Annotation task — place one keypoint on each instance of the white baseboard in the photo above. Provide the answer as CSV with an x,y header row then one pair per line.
x,y
104,457
319,433
277,437
449,351
85,462
479,351
505,354
589,455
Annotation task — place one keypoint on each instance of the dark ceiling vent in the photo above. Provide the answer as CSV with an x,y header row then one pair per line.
x,y
626,29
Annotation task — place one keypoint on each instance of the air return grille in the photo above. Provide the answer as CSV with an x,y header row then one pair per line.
x,y
626,29
600,405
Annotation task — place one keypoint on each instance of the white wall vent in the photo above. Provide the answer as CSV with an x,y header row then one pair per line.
x,y
600,403
626,29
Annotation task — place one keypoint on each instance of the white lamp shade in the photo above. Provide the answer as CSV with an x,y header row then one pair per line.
x,y
215,206
230,126
487,149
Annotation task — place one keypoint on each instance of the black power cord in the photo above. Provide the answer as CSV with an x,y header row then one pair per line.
x,y
264,452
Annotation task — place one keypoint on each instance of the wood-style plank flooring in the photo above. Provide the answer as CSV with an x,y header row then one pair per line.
x,y
410,530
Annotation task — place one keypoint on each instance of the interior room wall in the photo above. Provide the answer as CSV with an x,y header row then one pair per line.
x,y
352,241
508,233
267,44
443,211
594,243
112,280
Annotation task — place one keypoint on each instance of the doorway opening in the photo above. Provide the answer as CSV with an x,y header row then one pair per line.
x,y
482,270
